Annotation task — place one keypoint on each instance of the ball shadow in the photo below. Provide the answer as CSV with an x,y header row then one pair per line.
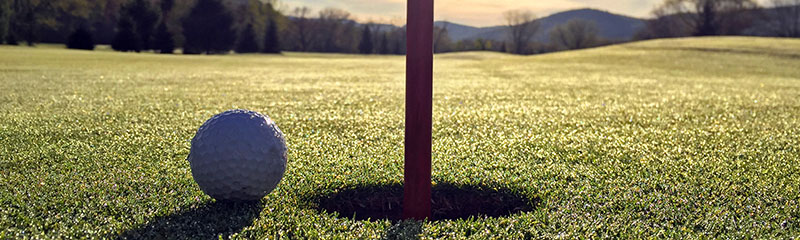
x,y
448,202
208,221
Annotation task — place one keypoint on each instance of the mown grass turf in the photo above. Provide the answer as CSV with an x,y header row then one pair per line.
x,y
667,138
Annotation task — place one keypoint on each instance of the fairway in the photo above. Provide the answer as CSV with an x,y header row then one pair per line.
x,y
694,137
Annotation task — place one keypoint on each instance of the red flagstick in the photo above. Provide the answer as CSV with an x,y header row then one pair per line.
x,y
419,109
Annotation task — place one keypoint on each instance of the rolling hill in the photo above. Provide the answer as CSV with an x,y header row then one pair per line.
x,y
610,25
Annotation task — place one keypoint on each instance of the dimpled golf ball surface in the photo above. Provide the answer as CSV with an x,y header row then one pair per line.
x,y
238,155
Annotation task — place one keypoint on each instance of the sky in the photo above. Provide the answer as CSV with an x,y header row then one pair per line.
x,y
479,13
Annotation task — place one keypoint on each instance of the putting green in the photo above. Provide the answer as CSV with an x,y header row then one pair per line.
x,y
669,138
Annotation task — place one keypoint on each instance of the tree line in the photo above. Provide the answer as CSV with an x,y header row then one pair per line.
x,y
194,26
683,18
251,26
671,18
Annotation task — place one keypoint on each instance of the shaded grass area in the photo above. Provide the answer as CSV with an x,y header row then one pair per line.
x,y
650,139
207,221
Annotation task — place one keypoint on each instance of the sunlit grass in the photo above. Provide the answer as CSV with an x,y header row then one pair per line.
x,y
667,138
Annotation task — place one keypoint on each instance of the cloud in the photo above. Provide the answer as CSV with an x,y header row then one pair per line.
x,y
474,12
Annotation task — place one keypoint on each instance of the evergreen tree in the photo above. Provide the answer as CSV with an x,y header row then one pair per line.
x,y
247,41
11,39
166,7
271,42
144,18
5,19
81,39
164,42
126,39
398,47
24,23
385,44
208,28
365,47
11,35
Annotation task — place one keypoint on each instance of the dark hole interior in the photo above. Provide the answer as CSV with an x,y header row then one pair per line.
x,y
448,202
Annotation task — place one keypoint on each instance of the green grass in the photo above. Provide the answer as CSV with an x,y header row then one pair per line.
x,y
671,138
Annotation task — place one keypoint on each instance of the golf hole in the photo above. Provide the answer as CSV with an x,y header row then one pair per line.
x,y
448,202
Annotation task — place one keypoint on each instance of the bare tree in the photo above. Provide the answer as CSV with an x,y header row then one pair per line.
x,y
575,34
663,25
303,28
277,5
522,28
441,39
785,18
709,17
331,28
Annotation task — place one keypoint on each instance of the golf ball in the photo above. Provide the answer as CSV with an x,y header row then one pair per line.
x,y
238,155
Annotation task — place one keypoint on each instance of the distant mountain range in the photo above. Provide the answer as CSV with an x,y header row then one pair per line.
x,y
610,26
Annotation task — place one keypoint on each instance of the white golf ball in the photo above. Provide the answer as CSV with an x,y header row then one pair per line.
x,y
238,155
